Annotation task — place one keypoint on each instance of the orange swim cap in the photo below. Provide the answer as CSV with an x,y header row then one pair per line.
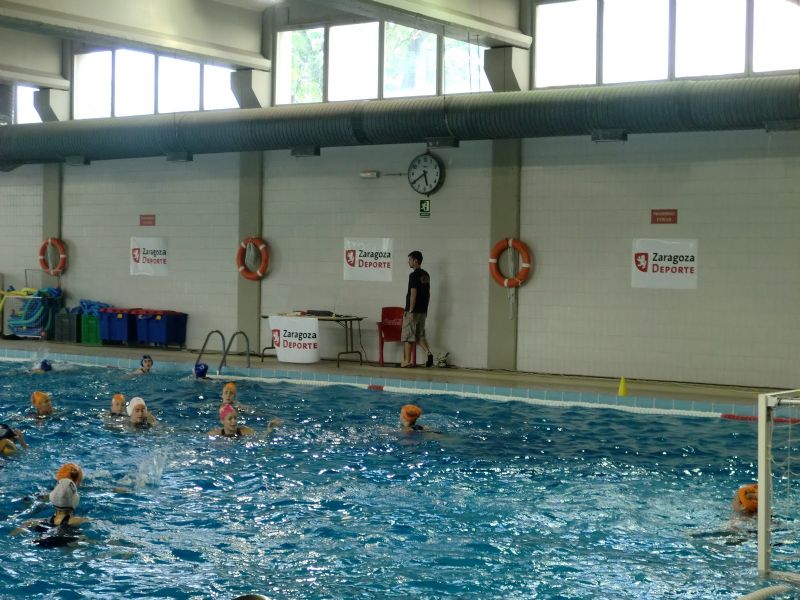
x,y
37,397
229,386
749,504
70,471
410,412
118,397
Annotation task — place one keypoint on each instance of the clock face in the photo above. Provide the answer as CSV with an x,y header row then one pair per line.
x,y
426,173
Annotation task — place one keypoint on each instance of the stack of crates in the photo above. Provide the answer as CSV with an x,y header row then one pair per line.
x,y
160,327
90,330
118,325
68,327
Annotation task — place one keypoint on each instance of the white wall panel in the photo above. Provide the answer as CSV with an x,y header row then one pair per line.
x,y
584,203
312,204
21,225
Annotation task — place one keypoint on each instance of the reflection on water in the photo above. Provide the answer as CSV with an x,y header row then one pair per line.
x,y
510,501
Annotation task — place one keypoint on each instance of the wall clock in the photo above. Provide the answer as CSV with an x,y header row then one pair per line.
x,y
426,173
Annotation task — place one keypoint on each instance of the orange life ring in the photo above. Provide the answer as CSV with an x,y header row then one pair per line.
x,y
62,256
240,254
525,255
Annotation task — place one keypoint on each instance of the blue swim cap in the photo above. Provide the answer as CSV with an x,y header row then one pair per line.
x,y
200,370
45,365
145,357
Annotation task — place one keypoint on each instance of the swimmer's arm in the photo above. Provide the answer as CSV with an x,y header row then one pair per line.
x,y
7,447
276,422
217,431
78,520
21,438
245,430
24,527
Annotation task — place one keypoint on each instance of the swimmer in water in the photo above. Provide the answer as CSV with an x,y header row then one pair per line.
x,y
230,397
8,439
117,406
745,500
138,416
62,528
42,403
70,471
201,371
43,367
229,421
408,418
144,365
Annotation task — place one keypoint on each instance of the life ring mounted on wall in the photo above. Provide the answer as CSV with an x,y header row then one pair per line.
x,y
62,256
241,252
525,256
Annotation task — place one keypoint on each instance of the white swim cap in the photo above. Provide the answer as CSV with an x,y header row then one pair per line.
x,y
133,403
65,494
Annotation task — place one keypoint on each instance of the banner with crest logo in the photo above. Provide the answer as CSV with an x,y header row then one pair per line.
x,y
671,264
149,256
367,259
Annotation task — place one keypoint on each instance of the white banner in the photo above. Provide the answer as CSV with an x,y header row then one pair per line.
x,y
149,256
668,264
368,259
296,339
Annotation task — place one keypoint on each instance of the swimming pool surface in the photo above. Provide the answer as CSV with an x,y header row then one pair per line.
x,y
511,501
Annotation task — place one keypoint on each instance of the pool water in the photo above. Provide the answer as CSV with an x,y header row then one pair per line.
x,y
512,500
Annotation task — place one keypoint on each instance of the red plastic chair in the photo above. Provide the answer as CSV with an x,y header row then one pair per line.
x,y
390,327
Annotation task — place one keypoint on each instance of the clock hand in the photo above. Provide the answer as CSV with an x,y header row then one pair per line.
x,y
424,174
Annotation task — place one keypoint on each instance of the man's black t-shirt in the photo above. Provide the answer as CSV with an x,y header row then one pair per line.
x,y
420,280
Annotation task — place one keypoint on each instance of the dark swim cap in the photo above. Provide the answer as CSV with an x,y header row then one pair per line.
x,y
200,370
145,357
45,365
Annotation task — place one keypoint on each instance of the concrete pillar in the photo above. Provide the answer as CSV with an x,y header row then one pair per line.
x,y
251,88
51,104
251,184
6,104
504,222
507,69
52,193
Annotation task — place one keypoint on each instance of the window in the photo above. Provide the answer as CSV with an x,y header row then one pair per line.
x,y
409,62
25,110
178,85
298,66
463,68
217,91
776,35
353,62
92,85
635,40
709,37
134,83
565,43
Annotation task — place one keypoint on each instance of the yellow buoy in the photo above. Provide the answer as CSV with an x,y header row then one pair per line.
x,y
623,387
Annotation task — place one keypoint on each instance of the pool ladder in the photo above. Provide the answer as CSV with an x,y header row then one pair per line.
x,y
225,348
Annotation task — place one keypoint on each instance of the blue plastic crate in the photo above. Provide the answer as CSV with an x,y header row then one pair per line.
x,y
117,325
161,327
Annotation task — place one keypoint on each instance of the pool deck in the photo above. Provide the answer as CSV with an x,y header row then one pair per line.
x,y
555,388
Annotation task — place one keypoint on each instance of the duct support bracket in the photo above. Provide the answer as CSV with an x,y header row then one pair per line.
x,y
305,151
609,135
77,161
442,142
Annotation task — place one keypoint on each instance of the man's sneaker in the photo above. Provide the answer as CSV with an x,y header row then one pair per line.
x,y
429,362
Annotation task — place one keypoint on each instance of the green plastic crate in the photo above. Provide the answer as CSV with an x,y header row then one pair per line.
x,y
90,330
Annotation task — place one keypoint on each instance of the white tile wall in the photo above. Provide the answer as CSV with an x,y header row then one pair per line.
x,y
738,193
21,225
312,204
196,209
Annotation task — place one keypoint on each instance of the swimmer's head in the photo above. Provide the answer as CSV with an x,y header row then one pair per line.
x,y
146,362
747,496
200,370
225,410
65,495
118,404
70,471
45,366
409,414
229,393
42,403
136,406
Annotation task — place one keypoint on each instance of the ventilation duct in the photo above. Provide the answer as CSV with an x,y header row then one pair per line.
x,y
673,106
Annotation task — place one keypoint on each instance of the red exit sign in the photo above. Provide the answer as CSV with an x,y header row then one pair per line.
x,y
660,216
147,220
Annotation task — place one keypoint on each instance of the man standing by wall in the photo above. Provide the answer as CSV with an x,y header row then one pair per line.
x,y
417,297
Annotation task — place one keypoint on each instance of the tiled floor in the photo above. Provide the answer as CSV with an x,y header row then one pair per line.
x,y
647,395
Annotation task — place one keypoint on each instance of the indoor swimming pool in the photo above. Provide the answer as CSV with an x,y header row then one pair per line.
x,y
508,500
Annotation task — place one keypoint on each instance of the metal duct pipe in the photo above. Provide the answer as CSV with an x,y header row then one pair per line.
x,y
672,106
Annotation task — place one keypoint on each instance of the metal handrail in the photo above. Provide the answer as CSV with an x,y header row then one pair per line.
x,y
205,343
228,347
